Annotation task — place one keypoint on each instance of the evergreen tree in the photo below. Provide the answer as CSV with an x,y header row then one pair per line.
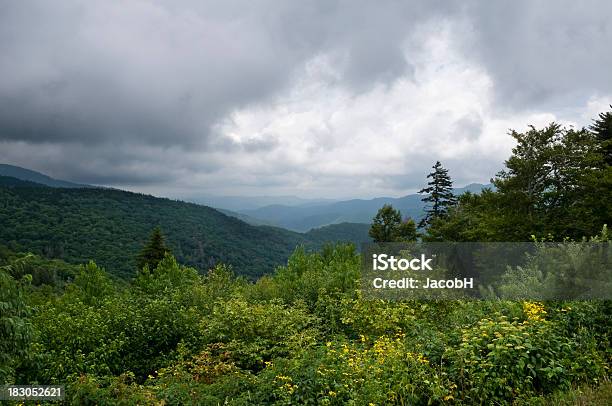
x,y
387,226
439,194
602,128
154,251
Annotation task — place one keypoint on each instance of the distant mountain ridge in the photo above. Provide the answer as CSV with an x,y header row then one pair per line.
x,y
238,203
302,219
37,177
289,212
247,219
110,226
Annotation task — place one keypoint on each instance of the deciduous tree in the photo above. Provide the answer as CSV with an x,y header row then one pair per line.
x,y
387,226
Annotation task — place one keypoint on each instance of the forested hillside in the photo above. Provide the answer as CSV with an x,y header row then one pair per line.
x,y
353,232
110,226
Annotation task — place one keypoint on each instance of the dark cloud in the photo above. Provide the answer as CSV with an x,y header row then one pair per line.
x,y
165,73
544,54
132,93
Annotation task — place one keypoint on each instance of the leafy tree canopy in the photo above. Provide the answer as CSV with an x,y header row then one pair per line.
x,y
387,226
556,184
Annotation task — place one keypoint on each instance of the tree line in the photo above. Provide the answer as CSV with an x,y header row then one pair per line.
x,y
556,184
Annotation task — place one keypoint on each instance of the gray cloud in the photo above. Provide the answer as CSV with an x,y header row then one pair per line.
x,y
164,73
544,54
135,93
469,126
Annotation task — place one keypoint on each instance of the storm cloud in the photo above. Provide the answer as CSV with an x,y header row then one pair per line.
x,y
321,98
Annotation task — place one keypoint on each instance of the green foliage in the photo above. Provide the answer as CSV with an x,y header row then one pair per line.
x,y
439,193
371,318
379,371
583,395
111,227
167,275
385,223
387,226
572,270
555,183
356,233
407,231
544,176
602,128
92,283
501,359
97,329
54,273
308,277
471,220
257,333
303,336
15,326
154,250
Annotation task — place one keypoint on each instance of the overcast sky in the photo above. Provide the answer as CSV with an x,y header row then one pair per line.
x,y
310,98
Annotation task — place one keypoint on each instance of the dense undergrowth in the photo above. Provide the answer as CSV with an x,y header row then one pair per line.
x,y
303,335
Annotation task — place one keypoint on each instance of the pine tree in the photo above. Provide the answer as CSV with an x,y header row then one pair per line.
x,y
602,128
154,251
439,194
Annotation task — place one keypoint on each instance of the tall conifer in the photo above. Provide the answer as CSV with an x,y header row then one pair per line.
x,y
154,251
602,128
439,195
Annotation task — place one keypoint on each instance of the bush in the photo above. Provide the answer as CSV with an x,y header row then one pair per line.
x,y
256,333
379,371
500,358
15,326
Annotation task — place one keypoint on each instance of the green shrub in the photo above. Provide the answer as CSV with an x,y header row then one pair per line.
x,y
379,371
258,332
500,359
15,326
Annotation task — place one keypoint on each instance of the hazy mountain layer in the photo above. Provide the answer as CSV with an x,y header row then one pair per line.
x,y
300,218
33,176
